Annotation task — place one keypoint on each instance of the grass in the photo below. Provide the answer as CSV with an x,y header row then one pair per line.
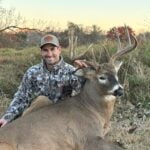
x,y
13,64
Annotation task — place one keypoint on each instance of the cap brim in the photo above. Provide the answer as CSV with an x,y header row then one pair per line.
x,y
48,43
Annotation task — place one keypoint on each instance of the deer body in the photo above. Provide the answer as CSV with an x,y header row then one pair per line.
x,y
65,125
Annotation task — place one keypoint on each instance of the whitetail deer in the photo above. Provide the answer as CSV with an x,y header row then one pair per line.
x,y
78,123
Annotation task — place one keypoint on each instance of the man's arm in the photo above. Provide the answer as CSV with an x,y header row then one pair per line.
x,y
22,99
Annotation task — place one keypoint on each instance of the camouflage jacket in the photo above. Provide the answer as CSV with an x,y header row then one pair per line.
x,y
56,84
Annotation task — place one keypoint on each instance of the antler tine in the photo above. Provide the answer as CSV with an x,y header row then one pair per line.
x,y
94,57
92,64
81,56
125,50
89,63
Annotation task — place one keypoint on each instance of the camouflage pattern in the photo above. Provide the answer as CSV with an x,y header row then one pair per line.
x,y
56,84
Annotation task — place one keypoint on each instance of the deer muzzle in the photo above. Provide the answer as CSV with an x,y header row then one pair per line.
x,y
119,91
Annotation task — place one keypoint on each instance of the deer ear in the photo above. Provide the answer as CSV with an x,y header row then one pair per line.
x,y
87,72
117,65
79,72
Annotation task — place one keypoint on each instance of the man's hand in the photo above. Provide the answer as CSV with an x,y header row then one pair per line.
x,y
80,63
3,122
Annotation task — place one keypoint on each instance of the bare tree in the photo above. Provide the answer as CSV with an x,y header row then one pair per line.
x,y
10,18
72,43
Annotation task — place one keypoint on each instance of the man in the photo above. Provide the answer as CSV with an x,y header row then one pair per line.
x,y
52,78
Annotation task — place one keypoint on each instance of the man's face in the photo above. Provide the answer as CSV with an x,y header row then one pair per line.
x,y
50,54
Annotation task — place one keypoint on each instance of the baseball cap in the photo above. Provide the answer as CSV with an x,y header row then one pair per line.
x,y
49,39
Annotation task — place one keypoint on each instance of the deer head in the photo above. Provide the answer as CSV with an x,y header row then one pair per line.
x,y
106,73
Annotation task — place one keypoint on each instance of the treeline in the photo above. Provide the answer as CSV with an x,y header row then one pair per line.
x,y
24,37
31,37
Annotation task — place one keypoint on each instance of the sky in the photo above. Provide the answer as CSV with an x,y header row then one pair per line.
x,y
103,13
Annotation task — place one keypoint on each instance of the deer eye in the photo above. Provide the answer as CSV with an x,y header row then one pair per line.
x,y
102,78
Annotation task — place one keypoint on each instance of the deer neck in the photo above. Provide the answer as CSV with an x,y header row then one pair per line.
x,y
93,94
95,97
100,103
90,94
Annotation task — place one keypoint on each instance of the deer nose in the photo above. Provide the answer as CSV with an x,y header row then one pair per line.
x,y
118,92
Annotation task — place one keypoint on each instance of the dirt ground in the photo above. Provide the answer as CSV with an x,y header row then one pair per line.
x,y
131,137
131,127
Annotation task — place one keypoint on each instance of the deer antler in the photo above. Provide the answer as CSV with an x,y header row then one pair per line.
x,y
81,56
125,50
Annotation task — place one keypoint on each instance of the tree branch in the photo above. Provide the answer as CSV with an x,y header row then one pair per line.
x,y
10,27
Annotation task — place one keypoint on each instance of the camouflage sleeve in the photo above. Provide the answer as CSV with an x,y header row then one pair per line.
x,y
22,99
